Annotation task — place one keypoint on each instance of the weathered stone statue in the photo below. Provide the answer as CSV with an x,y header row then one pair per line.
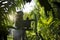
x,y
19,31
21,26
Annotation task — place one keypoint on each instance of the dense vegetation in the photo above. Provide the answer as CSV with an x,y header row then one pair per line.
x,y
46,15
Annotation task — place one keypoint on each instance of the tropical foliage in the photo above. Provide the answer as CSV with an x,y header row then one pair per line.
x,y
47,22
